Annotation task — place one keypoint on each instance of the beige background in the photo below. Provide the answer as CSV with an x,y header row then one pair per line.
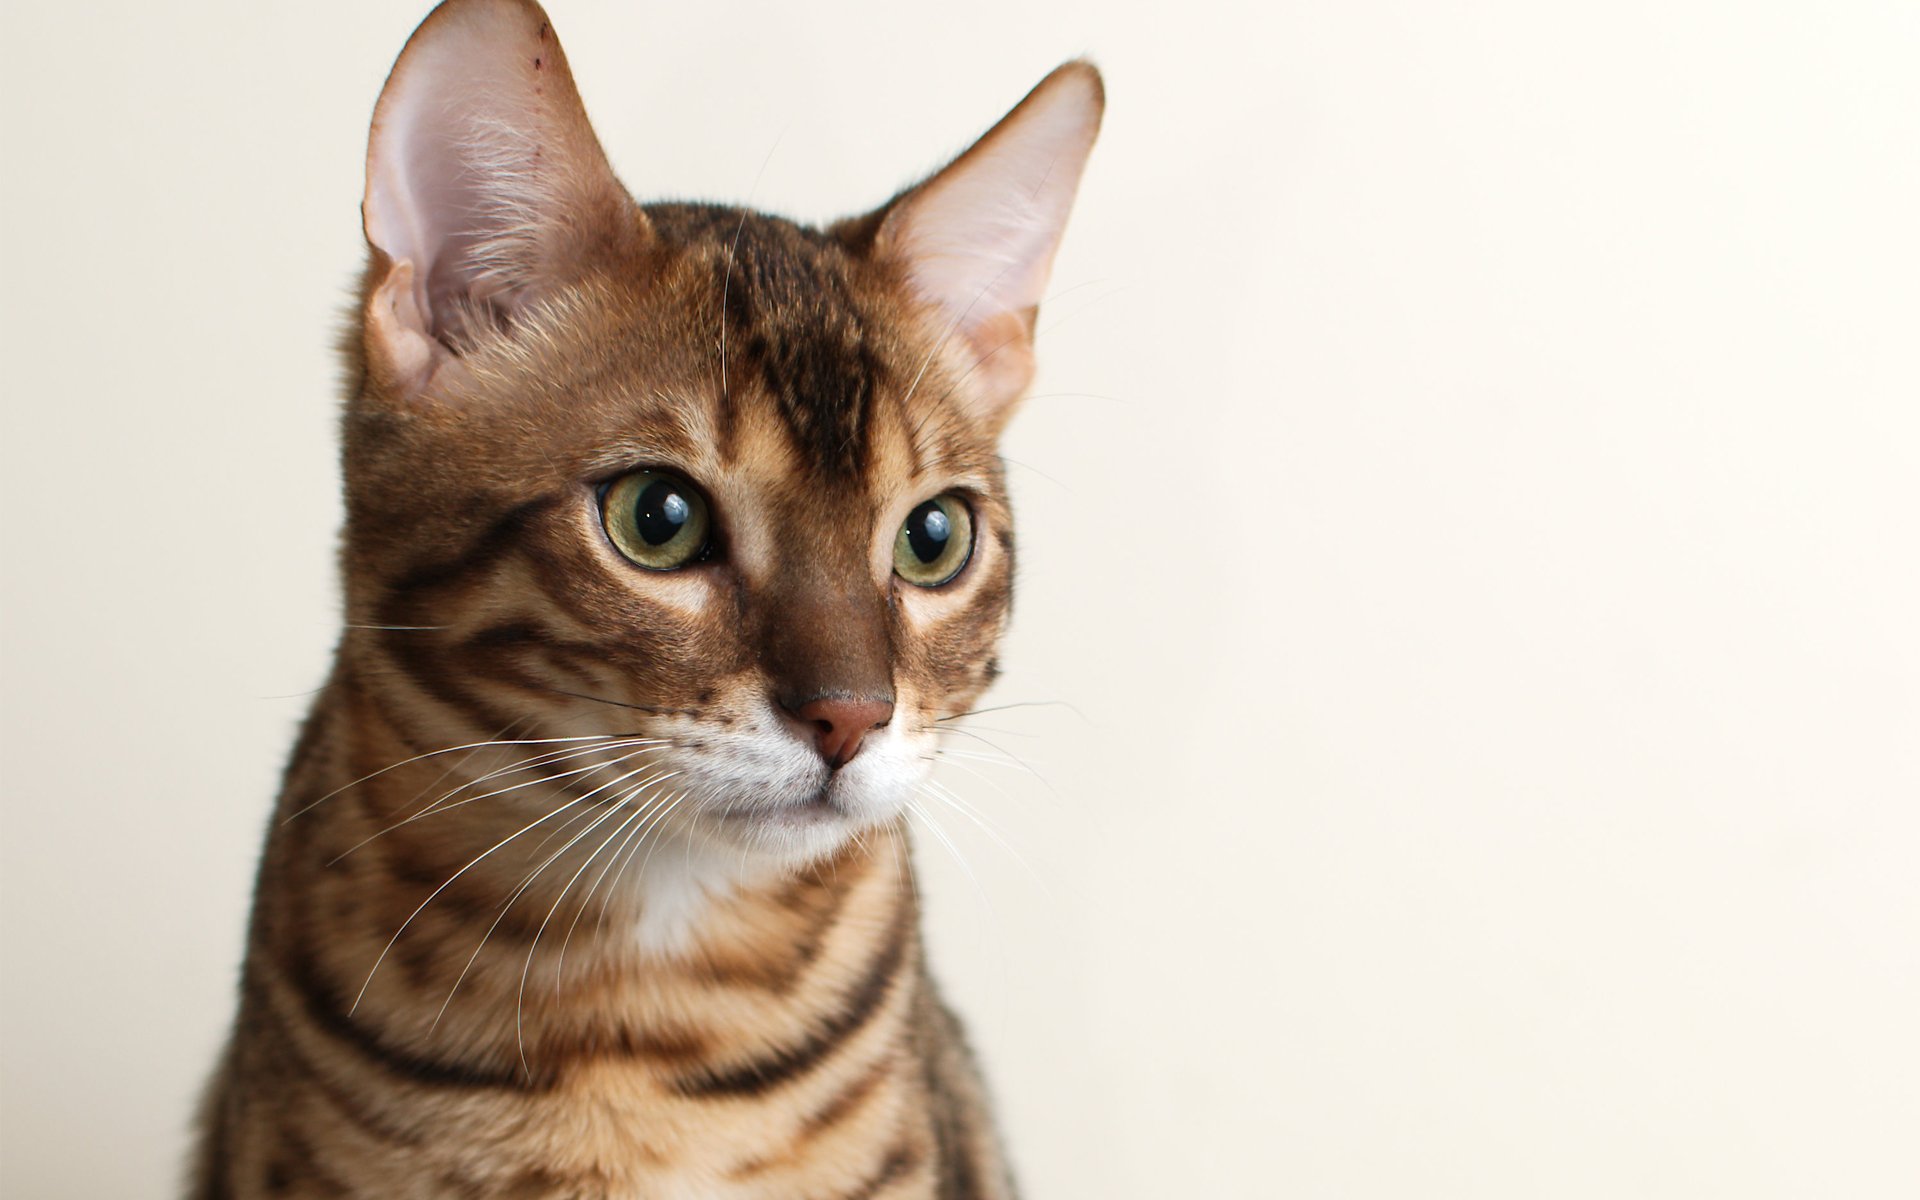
x,y
1470,507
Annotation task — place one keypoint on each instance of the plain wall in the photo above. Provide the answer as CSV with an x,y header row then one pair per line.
x,y
1468,524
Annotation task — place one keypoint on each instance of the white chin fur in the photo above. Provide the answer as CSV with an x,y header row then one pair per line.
x,y
754,812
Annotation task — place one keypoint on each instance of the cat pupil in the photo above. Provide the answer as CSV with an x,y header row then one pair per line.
x,y
660,513
928,530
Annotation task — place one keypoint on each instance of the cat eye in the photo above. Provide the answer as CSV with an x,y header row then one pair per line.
x,y
934,542
656,518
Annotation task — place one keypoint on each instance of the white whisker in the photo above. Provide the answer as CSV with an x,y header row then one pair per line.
x,y
637,822
439,807
953,799
671,803
612,805
471,863
447,750
519,1001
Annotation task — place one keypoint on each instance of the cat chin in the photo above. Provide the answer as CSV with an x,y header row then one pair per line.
x,y
794,833
743,847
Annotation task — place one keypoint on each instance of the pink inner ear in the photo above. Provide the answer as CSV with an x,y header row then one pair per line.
x,y
482,170
426,206
451,175
980,236
978,239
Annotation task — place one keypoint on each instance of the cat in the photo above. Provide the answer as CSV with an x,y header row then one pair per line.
x,y
673,532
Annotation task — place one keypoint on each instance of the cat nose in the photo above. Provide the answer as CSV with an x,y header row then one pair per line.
x,y
840,723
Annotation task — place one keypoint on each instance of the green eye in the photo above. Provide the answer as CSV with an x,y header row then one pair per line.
x,y
656,519
934,542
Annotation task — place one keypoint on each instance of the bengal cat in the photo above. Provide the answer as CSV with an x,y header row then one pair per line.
x,y
673,533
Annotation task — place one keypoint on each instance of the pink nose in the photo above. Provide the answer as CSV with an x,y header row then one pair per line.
x,y
840,724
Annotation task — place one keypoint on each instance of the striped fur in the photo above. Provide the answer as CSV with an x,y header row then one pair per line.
x,y
557,901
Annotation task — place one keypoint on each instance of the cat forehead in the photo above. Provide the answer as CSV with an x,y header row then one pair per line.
x,y
739,338
803,330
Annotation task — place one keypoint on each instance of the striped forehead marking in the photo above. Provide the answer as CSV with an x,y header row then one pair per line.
x,y
795,326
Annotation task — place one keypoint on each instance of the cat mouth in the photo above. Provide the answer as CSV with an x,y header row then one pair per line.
x,y
816,808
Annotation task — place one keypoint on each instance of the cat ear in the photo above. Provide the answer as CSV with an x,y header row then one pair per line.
x,y
977,239
486,188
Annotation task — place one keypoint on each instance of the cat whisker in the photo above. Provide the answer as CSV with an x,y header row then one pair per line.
x,y
651,825
1055,480
454,764
733,248
960,759
471,863
656,827
629,829
1057,321
693,820
559,830
949,754
636,821
726,283
1002,731
622,857
448,750
1007,757
538,762
438,805
953,799
312,691
564,828
400,628
578,771
949,759
612,805
520,997
940,835
607,808
654,808
1070,289
979,892
1016,704
550,758
430,810
645,708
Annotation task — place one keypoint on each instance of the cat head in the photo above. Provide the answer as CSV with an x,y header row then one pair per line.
x,y
698,476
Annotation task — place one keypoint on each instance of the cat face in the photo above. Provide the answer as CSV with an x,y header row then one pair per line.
x,y
704,478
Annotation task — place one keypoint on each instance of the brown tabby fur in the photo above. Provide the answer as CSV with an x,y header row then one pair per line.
x,y
790,1045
